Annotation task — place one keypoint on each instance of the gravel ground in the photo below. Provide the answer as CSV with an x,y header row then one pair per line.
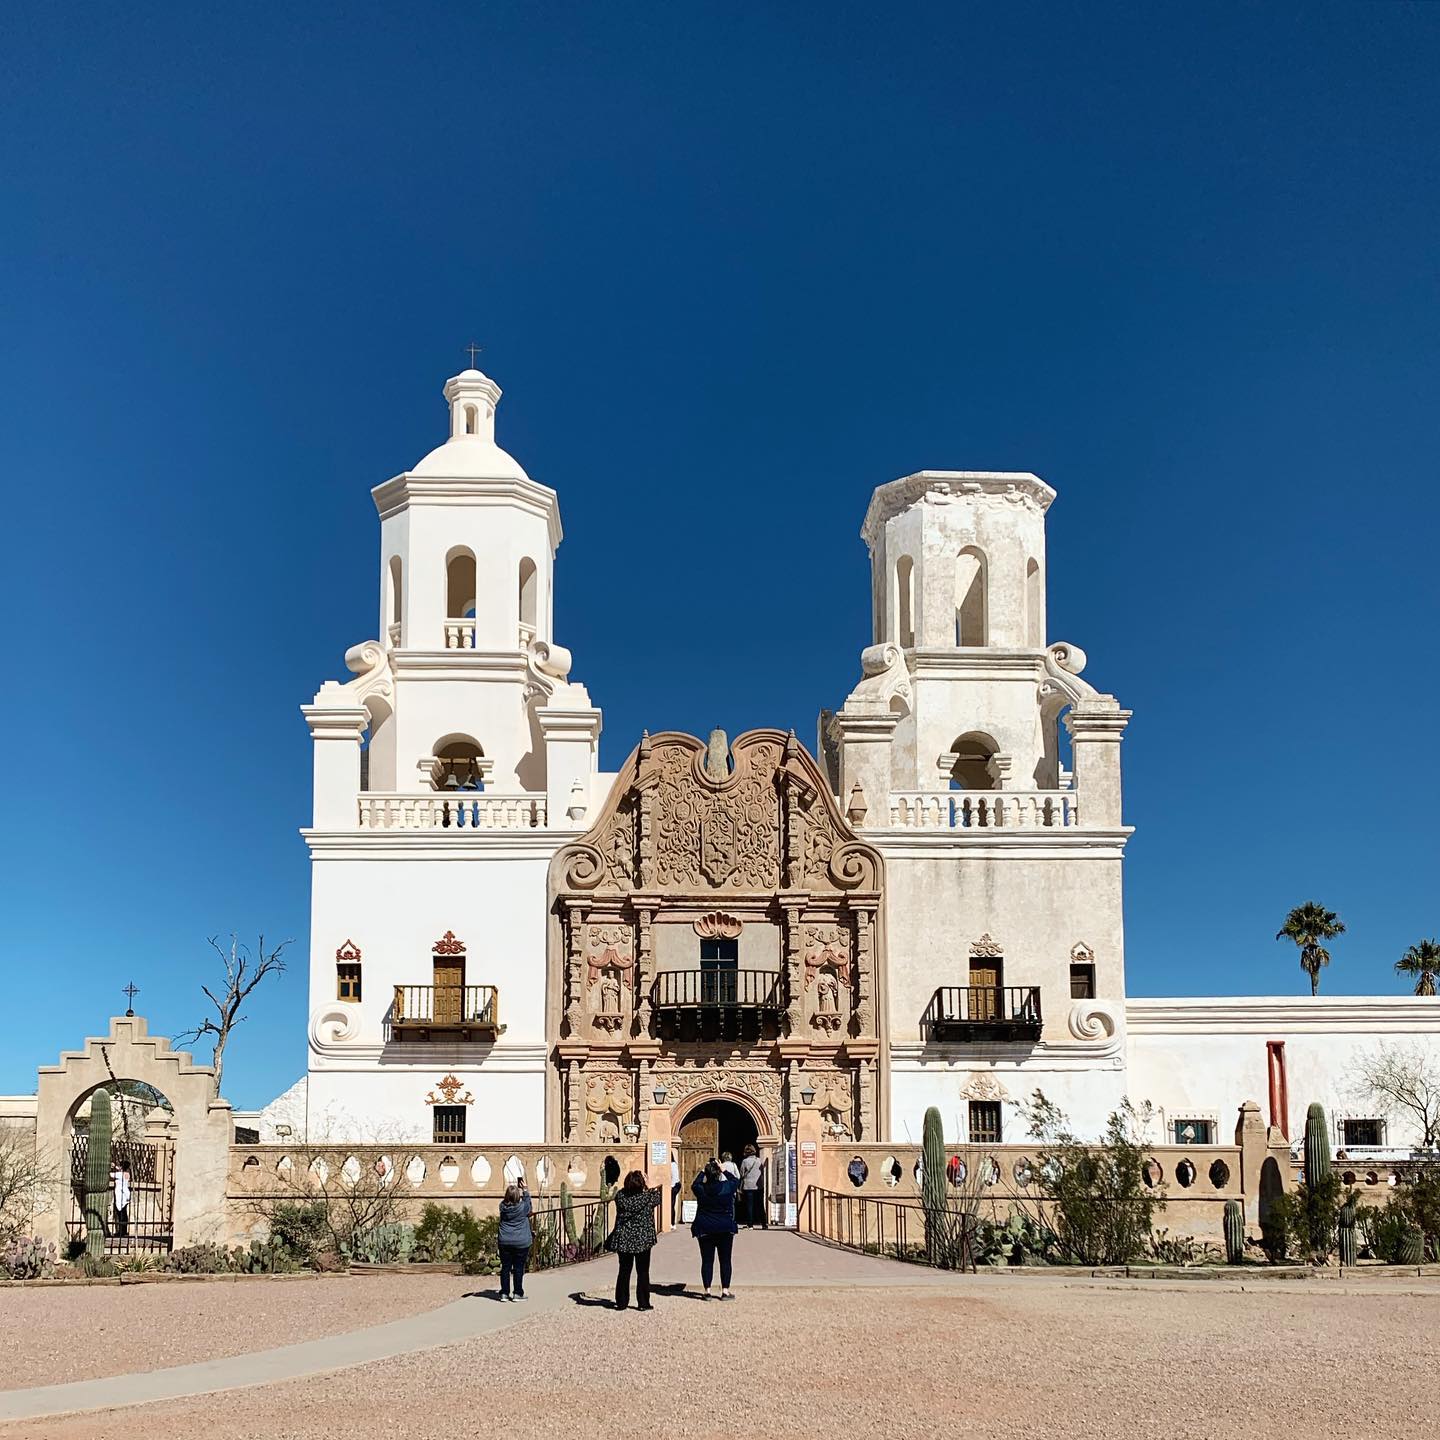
x,y
84,1332
1028,1360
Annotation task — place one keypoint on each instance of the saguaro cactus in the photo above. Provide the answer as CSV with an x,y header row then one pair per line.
x,y
567,1204
932,1186
1317,1147
1234,1232
1348,1249
97,1173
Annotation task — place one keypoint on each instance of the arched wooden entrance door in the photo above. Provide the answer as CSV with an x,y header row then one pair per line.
x,y
711,1127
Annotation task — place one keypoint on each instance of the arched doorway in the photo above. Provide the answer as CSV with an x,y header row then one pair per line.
x,y
198,1128
710,1129
132,1153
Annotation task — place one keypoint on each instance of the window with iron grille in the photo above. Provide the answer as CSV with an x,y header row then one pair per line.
x,y
1082,982
347,980
449,1124
984,1122
1362,1132
1193,1132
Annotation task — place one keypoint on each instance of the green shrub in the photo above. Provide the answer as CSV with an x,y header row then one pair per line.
x,y
456,1235
1383,1229
301,1230
1418,1195
1308,1217
1097,1200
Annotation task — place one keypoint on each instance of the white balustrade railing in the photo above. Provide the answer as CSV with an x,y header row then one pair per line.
x,y
983,809
460,634
394,633
527,634
451,810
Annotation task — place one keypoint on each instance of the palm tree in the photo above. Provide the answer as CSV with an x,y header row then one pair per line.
x,y
1307,925
1422,960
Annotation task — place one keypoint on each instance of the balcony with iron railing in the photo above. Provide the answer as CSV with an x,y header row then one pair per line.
x,y
470,1011
761,991
983,1012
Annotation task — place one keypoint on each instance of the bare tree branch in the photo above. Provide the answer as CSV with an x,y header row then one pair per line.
x,y
240,983
1404,1078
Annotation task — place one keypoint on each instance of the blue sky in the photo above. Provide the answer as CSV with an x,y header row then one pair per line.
x,y
733,266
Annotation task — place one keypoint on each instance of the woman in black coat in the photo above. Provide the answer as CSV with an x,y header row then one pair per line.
x,y
714,1224
633,1238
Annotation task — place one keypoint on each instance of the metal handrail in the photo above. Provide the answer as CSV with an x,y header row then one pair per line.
x,y
940,1236
459,1006
714,989
984,1005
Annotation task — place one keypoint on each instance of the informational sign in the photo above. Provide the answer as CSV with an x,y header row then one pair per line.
x,y
659,1152
809,1152
687,1210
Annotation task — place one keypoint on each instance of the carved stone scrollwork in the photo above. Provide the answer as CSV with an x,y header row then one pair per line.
x,y
718,925
986,949
761,1086
609,1101
1093,1020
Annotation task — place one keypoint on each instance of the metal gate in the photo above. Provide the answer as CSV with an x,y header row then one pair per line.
x,y
148,1225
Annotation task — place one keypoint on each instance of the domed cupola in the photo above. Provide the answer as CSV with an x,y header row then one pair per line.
x,y
471,451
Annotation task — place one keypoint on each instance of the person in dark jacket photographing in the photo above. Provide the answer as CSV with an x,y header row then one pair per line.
x,y
515,1237
633,1238
714,1224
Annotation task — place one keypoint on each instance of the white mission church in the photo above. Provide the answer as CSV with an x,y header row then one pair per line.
x,y
925,908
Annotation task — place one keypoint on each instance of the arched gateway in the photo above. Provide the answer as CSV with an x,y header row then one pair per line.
x,y
196,1139
716,937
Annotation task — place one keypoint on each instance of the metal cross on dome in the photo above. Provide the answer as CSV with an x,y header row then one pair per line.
x,y
130,992
474,350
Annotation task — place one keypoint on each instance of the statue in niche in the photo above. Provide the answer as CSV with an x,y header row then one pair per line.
x,y
608,1016
607,1128
827,1000
834,1124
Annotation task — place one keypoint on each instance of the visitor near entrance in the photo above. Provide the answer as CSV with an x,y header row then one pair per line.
x,y
674,1183
516,1234
752,1191
633,1238
120,1183
714,1224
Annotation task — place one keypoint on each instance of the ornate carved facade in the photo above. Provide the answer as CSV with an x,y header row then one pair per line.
x,y
703,843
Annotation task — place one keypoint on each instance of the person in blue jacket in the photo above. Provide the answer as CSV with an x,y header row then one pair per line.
x,y
515,1238
714,1224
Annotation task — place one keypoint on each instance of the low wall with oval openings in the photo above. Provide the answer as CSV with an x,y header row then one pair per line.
x,y
457,1175
1196,1181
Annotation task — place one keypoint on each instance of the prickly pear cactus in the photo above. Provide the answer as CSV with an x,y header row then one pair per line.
x,y
1234,1232
1317,1147
1412,1246
97,1173
1349,1251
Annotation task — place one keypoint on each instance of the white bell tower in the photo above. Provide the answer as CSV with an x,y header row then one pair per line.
x,y
465,688
961,690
